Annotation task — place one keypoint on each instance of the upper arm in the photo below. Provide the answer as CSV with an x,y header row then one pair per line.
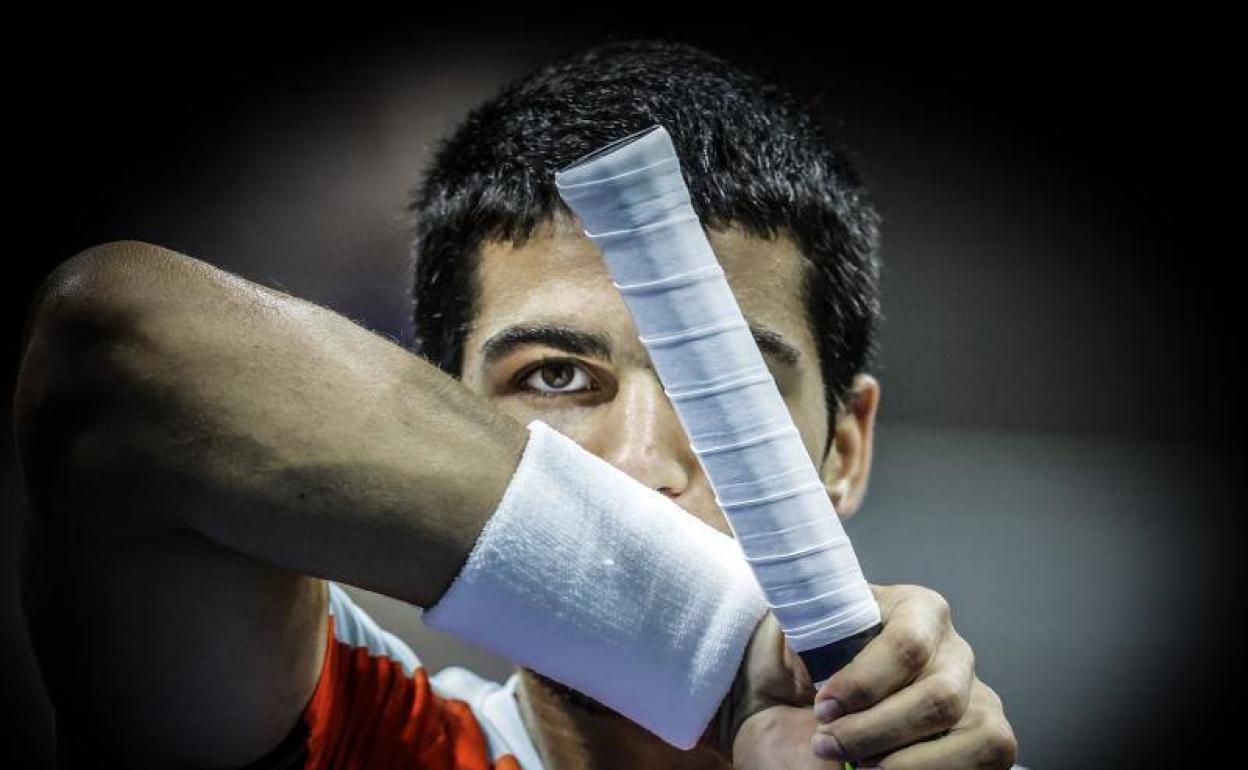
x,y
157,645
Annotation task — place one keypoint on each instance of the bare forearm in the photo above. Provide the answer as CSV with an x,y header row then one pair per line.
x,y
174,394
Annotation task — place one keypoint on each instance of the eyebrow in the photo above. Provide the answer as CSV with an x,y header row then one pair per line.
x,y
559,337
597,345
770,341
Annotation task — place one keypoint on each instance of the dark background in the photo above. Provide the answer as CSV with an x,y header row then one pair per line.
x,y
1059,432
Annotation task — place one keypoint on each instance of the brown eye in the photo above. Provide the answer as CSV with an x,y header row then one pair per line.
x,y
555,377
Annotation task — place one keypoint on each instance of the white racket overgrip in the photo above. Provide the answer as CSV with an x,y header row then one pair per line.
x,y
633,203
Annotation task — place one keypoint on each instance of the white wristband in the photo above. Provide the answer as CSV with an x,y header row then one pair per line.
x,y
589,577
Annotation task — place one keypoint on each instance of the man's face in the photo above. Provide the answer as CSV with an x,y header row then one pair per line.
x,y
553,340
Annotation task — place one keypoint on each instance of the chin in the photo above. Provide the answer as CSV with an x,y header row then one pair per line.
x,y
573,698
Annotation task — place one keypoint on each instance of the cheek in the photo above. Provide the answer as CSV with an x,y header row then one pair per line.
x,y
575,422
808,415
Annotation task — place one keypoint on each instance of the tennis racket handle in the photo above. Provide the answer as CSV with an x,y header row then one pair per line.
x,y
823,662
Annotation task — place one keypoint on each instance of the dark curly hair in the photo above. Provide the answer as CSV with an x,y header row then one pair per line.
x,y
752,155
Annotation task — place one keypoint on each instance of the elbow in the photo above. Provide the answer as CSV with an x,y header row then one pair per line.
x,y
94,291
83,307
79,327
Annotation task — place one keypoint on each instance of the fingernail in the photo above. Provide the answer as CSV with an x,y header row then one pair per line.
x,y
825,746
827,710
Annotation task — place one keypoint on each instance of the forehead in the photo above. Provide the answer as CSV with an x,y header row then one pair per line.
x,y
558,276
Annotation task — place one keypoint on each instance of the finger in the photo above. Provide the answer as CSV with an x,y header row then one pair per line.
x,y
934,703
983,740
916,620
778,737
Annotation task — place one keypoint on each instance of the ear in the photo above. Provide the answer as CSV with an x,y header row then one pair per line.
x,y
847,466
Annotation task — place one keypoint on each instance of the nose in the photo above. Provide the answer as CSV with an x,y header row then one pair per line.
x,y
644,437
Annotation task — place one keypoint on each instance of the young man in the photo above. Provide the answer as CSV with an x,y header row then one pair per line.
x,y
202,454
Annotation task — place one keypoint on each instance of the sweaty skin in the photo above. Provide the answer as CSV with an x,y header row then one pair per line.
x,y
195,448
200,452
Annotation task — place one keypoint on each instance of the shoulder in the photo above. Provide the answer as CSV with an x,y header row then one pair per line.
x,y
496,709
354,627
493,706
